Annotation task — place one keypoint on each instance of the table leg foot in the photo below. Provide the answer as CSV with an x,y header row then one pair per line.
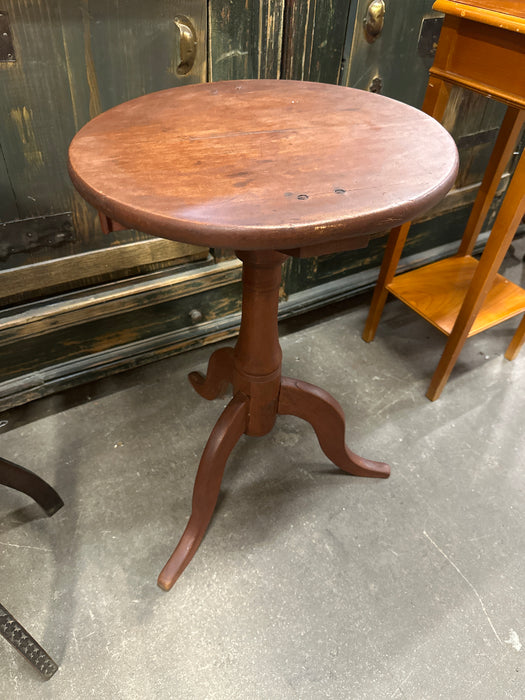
x,y
325,415
219,374
224,436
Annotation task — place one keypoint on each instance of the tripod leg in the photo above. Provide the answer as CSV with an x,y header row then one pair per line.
x,y
325,415
218,375
227,431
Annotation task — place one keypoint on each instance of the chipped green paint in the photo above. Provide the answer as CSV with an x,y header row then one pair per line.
x,y
22,118
245,38
314,39
94,92
8,208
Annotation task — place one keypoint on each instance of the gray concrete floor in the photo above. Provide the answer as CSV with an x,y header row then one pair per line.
x,y
310,583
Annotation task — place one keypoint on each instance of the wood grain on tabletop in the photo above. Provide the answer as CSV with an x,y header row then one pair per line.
x,y
262,164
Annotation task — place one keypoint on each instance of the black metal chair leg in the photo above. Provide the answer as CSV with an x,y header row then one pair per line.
x,y
26,481
23,642
21,479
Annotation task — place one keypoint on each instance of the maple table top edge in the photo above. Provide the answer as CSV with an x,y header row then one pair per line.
x,y
262,164
505,14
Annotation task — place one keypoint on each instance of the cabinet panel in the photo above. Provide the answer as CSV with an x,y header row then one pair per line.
x,y
395,63
8,208
314,39
392,57
73,60
245,39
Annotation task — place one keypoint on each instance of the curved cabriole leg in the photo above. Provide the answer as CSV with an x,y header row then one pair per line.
x,y
218,375
326,416
21,479
227,431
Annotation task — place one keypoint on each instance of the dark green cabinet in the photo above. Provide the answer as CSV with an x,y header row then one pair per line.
x,y
76,304
74,59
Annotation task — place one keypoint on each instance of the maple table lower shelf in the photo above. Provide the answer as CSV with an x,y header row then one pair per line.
x,y
437,292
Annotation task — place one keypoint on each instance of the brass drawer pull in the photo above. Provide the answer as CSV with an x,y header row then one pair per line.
x,y
188,44
374,20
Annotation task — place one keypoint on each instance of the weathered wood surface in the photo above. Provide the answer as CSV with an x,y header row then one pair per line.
x,y
166,313
393,57
25,283
20,323
245,39
8,208
313,41
277,38
75,59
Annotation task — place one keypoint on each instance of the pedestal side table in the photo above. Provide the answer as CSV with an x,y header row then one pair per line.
x,y
271,169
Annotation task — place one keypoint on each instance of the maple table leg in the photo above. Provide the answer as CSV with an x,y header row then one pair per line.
x,y
394,248
503,148
516,342
436,100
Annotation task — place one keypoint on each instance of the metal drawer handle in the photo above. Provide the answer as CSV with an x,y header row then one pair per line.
x,y
375,19
188,44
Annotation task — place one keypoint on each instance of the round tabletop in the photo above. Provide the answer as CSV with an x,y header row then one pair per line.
x,y
262,164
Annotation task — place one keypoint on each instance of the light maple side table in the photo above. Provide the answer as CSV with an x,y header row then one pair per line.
x,y
482,48
271,169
